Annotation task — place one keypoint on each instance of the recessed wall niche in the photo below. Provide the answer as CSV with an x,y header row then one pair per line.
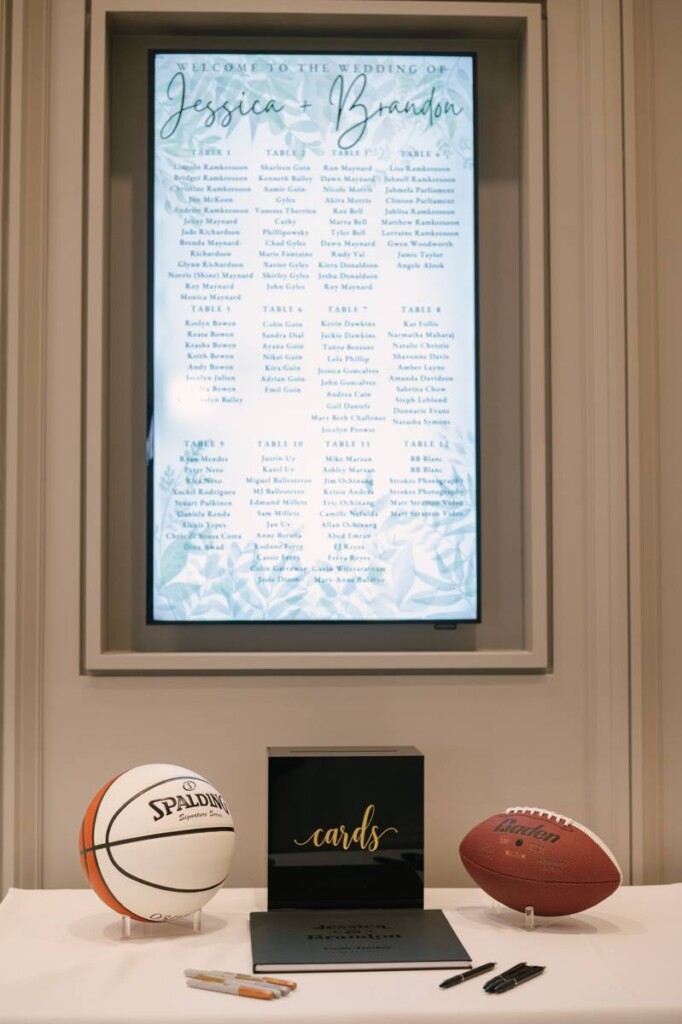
x,y
513,632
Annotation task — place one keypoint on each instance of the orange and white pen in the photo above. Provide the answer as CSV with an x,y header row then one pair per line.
x,y
233,988
280,986
282,983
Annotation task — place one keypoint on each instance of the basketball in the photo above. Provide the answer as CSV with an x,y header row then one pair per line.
x,y
156,842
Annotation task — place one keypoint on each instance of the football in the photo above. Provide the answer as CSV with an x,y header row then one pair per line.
x,y
530,857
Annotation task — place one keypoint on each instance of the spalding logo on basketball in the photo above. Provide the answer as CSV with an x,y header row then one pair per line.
x,y
156,842
530,857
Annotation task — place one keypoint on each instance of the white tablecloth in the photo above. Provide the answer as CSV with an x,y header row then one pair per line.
x,y
62,961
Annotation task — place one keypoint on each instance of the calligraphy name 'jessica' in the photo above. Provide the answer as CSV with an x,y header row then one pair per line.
x,y
222,113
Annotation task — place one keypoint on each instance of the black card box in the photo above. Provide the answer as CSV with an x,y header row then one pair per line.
x,y
345,827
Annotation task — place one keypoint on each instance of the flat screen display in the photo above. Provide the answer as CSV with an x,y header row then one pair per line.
x,y
313,397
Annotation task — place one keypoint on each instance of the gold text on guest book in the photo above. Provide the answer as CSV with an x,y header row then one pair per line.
x,y
365,835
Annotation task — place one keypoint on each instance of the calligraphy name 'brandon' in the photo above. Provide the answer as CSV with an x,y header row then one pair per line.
x,y
348,102
224,113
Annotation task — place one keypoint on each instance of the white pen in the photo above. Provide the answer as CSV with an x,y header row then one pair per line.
x,y
283,986
233,988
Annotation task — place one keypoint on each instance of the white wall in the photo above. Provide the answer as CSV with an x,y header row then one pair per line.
x,y
560,739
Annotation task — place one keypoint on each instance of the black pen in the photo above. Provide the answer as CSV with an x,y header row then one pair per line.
x,y
503,981
518,979
511,972
473,973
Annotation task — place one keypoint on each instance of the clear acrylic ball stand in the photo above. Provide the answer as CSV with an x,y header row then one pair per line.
x,y
527,917
131,929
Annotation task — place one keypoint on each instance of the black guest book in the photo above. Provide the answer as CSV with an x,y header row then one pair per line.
x,y
345,827
354,940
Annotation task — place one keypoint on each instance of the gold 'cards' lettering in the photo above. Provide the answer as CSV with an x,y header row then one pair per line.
x,y
366,835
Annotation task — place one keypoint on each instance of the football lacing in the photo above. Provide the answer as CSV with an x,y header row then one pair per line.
x,y
560,818
563,820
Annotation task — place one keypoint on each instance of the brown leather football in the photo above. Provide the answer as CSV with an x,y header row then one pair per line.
x,y
530,857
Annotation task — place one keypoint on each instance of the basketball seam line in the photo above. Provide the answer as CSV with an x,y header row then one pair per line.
x,y
99,876
86,867
156,835
164,888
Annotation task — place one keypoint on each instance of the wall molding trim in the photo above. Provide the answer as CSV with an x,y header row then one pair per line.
x,y
644,441
25,328
588,369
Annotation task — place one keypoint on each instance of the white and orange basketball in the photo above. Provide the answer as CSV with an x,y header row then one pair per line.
x,y
156,842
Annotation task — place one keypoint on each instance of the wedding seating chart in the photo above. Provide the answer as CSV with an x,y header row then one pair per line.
x,y
313,434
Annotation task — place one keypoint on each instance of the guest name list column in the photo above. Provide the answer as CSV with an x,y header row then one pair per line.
x,y
314,338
